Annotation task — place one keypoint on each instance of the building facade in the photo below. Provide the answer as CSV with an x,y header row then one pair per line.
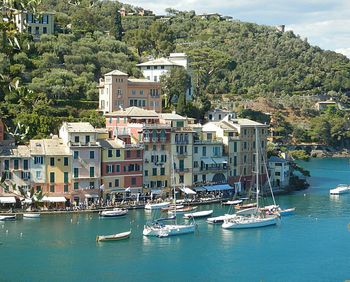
x,y
43,23
117,91
279,172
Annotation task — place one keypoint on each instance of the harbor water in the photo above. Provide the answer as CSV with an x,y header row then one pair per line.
x,y
312,245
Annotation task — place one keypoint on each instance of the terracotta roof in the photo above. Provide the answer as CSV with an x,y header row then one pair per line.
x,y
116,72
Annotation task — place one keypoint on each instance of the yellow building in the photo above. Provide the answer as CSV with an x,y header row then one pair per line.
x,y
58,162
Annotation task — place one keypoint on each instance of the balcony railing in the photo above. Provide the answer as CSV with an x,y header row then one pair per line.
x,y
182,170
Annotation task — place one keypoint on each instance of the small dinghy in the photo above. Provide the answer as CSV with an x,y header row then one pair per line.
x,y
198,214
234,202
114,237
114,213
31,215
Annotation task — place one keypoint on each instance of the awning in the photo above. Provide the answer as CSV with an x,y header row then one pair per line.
x,y
187,191
156,191
207,161
7,200
220,160
199,189
91,196
219,187
54,199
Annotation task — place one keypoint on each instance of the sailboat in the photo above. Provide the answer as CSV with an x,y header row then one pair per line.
x,y
159,229
257,218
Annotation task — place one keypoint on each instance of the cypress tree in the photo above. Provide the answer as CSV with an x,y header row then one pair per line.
x,y
118,29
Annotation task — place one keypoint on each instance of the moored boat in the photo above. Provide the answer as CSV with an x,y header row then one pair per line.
x,y
114,213
254,221
114,237
198,214
172,207
156,206
7,217
183,210
340,189
234,202
220,219
31,215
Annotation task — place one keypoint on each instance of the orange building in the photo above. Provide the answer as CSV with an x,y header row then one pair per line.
x,y
118,91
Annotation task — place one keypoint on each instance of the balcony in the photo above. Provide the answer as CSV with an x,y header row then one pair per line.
x,y
181,142
208,142
182,170
83,144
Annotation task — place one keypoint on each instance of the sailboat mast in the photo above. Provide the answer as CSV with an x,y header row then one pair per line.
x,y
257,166
173,181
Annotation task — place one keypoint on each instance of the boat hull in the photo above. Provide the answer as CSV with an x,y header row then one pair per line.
x,y
287,212
250,223
156,206
114,213
198,214
168,230
31,215
7,217
115,237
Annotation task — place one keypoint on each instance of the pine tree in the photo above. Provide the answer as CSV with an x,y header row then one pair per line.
x,y
118,29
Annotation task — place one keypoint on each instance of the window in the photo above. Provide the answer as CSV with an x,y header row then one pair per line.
x,y
181,179
162,147
277,173
65,177
38,174
36,30
155,67
204,151
109,168
87,139
92,154
235,161
75,154
117,168
245,145
6,165
162,171
76,139
52,161
133,180
110,153
154,171
116,183
45,19
15,164
195,178
146,147
92,185
162,67
76,172
65,188
117,153
76,185
128,154
141,92
133,92
38,160
38,188
52,177
244,158
138,153
235,147
25,164
65,161
146,172
92,171
52,188
204,177
195,164
155,78
154,147
148,67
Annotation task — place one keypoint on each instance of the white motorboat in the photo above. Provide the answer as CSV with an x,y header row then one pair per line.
x,y
234,202
340,189
7,217
156,206
114,213
31,215
198,214
220,219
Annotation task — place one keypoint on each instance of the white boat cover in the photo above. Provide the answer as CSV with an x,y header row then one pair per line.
x,y
187,191
54,199
7,200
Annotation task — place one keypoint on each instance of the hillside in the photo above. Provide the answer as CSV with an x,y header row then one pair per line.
x,y
57,76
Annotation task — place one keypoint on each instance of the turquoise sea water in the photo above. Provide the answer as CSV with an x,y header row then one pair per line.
x,y
313,245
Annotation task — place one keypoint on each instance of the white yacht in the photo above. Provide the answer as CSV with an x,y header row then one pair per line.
x,y
340,189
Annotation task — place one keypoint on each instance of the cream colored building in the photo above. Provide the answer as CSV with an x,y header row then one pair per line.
x,y
42,23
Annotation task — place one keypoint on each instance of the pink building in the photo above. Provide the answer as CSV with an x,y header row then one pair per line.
x,y
118,91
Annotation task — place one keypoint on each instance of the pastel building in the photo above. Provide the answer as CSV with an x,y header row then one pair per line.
x,y
41,23
118,91
279,172
154,69
15,166
38,164
238,136
57,160
181,148
81,139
